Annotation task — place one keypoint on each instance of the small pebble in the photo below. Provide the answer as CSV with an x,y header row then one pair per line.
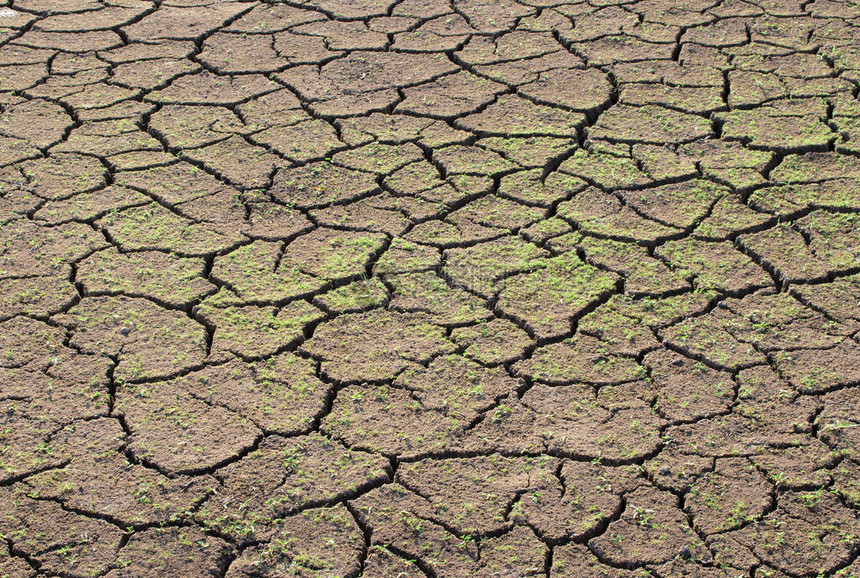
x,y
678,362
124,330
723,305
686,554
665,471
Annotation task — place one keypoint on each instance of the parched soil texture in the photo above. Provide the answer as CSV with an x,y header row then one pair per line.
x,y
430,288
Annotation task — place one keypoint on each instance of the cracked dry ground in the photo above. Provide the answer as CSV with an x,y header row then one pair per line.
x,y
460,288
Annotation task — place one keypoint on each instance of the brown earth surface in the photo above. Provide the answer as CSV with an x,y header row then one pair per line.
x,y
430,288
